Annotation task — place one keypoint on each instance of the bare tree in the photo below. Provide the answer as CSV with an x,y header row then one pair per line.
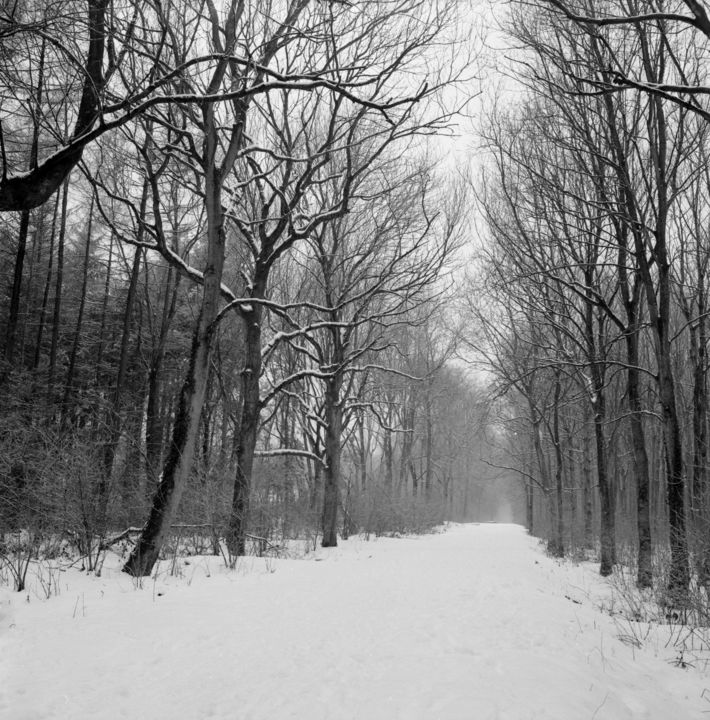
x,y
124,63
276,166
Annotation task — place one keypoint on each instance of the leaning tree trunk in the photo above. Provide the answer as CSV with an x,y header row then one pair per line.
x,y
178,463
180,454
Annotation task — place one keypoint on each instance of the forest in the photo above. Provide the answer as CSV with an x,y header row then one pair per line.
x,y
596,309
250,293
228,266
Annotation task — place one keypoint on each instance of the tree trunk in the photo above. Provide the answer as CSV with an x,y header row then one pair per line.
x,y
631,297
557,546
14,313
331,491
248,427
154,422
287,481
113,420
316,487
652,250
387,458
414,476
659,306
104,307
679,576
69,384
154,415
606,495
179,461
47,285
59,284
362,452
644,577
529,506
699,493
700,449
408,417
16,294
587,492
429,449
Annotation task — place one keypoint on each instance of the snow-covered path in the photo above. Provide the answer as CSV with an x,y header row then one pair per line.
x,y
470,624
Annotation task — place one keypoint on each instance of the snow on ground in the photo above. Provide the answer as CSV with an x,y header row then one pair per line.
x,y
470,624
